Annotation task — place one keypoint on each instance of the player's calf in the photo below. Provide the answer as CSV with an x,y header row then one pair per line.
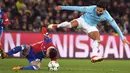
x,y
31,67
52,26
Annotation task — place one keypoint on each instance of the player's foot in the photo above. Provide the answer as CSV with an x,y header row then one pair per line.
x,y
3,54
52,26
1,51
96,59
17,68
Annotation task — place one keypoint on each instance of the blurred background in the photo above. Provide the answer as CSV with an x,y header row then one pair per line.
x,y
30,15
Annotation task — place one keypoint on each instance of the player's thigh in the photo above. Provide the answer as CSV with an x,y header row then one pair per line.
x,y
80,23
95,35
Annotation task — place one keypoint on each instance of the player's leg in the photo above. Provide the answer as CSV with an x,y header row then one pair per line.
x,y
14,50
96,37
17,49
35,65
1,49
93,33
34,62
73,23
1,31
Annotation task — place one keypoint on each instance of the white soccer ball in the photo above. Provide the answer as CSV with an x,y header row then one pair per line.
x,y
53,66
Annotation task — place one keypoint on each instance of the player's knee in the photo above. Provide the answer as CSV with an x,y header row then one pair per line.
x,y
36,67
24,47
53,53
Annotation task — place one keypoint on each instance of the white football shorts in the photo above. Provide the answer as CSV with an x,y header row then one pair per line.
x,y
87,28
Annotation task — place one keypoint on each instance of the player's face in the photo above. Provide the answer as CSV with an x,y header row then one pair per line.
x,y
99,11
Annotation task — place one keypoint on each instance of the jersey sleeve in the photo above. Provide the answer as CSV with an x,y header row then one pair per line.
x,y
113,23
79,8
6,20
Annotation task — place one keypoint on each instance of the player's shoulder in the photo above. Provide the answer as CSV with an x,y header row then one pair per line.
x,y
107,15
91,6
106,12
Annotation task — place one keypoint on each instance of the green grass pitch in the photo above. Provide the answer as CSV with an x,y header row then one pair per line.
x,y
70,66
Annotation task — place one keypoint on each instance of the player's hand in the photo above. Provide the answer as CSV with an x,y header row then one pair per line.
x,y
58,8
125,41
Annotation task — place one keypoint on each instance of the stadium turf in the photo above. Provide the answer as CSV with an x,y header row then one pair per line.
x,y
70,66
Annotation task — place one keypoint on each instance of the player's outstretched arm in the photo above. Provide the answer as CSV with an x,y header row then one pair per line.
x,y
113,23
115,26
75,8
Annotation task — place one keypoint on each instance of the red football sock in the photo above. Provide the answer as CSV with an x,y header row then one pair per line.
x,y
0,47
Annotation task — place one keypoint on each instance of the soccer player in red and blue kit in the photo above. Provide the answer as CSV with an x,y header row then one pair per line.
x,y
35,52
3,21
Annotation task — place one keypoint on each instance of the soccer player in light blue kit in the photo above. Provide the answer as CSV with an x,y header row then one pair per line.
x,y
88,21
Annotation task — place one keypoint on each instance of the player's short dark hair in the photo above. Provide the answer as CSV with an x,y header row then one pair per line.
x,y
53,53
103,4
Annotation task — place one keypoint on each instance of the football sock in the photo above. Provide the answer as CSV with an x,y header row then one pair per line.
x,y
1,47
95,48
64,24
31,67
16,49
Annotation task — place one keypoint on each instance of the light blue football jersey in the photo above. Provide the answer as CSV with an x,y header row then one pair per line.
x,y
91,18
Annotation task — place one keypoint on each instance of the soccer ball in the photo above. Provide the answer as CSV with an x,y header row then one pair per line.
x,y
53,66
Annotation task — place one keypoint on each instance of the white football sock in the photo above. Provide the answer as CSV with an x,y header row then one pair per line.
x,y
95,49
64,24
